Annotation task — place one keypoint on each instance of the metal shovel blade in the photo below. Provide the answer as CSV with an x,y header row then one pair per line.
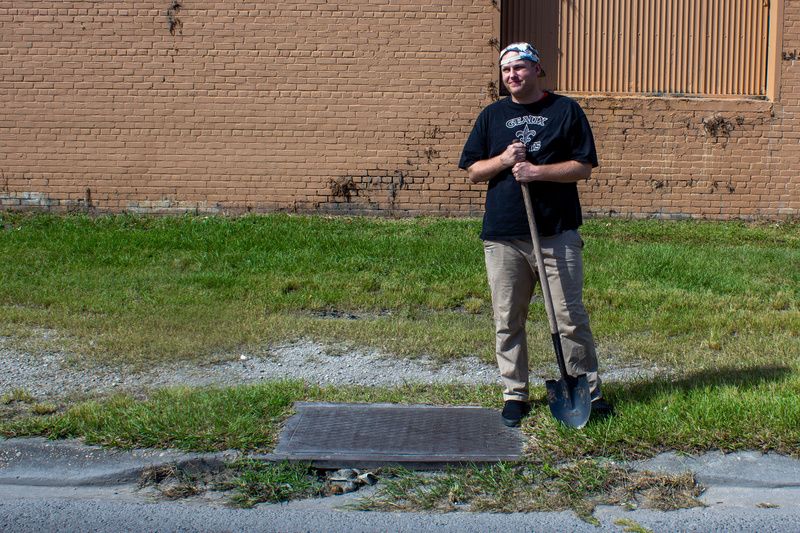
x,y
569,400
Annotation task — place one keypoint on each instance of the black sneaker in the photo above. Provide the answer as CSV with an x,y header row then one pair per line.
x,y
602,408
514,411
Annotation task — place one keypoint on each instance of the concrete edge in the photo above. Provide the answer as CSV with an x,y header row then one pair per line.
x,y
198,464
405,461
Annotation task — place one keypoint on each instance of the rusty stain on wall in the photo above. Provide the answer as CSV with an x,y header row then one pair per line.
x,y
717,126
343,187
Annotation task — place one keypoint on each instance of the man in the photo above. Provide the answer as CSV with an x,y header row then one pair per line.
x,y
543,139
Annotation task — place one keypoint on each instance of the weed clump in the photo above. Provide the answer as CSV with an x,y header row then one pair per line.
x,y
578,486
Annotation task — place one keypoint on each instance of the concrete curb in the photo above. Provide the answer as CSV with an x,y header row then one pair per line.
x,y
71,463
740,469
38,461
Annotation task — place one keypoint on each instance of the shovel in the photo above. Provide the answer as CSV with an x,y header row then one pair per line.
x,y
568,397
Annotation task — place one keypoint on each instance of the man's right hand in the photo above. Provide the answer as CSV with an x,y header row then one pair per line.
x,y
515,153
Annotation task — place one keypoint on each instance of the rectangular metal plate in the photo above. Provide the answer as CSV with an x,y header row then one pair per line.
x,y
341,435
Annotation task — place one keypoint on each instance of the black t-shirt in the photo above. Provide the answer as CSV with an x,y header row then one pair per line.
x,y
555,130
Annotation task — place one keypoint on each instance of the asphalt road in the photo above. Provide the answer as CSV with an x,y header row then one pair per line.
x,y
120,509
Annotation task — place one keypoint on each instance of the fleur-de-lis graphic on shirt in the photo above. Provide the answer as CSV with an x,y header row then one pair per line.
x,y
525,135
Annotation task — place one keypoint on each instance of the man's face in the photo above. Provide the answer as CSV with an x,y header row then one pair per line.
x,y
520,77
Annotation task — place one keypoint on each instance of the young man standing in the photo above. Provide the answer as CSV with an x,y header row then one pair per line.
x,y
540,139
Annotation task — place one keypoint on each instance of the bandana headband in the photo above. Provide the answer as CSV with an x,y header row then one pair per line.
x,y
523,50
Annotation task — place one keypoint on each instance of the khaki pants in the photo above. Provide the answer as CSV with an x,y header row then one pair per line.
x,y
512,273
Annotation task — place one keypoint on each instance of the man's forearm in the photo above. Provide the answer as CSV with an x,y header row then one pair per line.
x,y
486,169
482,171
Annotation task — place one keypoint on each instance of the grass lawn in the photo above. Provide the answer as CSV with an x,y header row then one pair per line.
x,y
124,289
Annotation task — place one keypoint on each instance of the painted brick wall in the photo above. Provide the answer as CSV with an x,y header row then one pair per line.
x,y
341,107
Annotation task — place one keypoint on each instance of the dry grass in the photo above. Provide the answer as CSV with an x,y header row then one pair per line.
x,y
577,486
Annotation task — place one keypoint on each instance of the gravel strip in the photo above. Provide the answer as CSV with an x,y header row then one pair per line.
x,y
48,374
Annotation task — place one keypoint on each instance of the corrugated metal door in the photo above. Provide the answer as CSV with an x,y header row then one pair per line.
x,y
534,21
696,47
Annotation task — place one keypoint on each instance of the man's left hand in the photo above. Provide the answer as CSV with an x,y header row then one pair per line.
x,y
524,172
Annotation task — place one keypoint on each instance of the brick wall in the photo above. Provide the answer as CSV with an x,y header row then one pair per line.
x,y
341,107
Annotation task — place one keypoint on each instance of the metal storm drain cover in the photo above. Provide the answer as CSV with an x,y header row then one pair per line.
x,y
340,435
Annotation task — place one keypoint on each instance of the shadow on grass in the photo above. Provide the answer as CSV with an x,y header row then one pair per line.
x,y
742,378
728,409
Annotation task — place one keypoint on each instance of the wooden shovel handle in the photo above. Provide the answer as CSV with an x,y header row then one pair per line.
x,y
548,299
537,250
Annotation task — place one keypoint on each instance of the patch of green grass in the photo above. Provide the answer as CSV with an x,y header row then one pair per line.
x,y
257,482
248,482
729,409
245,417
687,294
726,410
141,290
204,419
631,526
17,396
42,409
413,393
20,405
